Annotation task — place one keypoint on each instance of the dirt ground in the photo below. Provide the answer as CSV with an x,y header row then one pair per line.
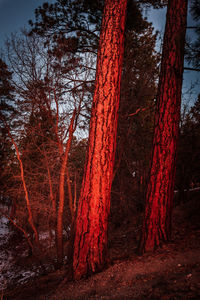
x,y
172,272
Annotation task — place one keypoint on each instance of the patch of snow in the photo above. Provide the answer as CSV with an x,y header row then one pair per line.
x,y
9,272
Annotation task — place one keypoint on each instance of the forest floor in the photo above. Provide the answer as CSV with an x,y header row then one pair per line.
x,y
172,272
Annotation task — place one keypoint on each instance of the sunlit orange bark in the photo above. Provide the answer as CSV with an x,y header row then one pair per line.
x,y
62,193
52,199
28,205
90,245
157,222
51,194
70,195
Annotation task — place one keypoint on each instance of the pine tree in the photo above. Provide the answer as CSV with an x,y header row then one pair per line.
x,y
160,190
7,110
193,48
90,244
188,158
135,125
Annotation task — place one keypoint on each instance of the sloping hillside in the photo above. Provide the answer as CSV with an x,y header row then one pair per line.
x,y
172,272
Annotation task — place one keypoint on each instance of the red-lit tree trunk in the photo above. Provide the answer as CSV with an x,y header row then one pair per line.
x,y
62,192
90,244
160,190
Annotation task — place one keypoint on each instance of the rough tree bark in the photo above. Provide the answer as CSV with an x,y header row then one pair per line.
x,y
90,243
160,190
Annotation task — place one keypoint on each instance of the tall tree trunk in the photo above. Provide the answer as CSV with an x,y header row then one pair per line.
x,y
160,190
59,236
69,188
28,204
90,243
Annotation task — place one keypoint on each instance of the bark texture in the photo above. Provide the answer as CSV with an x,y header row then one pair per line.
x,y
90,243
160,190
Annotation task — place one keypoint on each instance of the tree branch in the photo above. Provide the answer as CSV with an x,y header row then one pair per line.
x,y
192,69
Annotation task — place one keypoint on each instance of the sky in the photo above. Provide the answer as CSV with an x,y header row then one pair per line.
x,y
157,17
14,14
